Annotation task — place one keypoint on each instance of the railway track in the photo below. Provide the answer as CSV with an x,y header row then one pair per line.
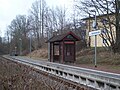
x,y
81,77
67,83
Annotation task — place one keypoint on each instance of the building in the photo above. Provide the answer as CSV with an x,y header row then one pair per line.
x,y
107,29
62,47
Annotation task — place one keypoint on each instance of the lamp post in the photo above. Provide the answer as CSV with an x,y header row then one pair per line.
x,y
20,46
95,28
30,43
48,46
15,51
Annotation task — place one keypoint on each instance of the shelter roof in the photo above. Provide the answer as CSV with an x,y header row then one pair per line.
x,y
59,38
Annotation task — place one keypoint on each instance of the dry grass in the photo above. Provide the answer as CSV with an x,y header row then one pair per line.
x,y
41,53
85,56
103,57
106,60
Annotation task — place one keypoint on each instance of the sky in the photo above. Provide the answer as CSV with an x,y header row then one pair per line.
x,y
10,8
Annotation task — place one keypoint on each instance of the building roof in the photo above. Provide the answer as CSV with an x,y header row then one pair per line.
x,y
97,16
59,38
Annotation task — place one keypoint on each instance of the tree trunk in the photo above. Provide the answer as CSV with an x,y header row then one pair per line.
x,y
117,16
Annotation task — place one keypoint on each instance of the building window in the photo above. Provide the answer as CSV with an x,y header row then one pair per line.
x,y
56,50
68,50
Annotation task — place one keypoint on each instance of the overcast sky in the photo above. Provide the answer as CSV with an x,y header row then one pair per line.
x,y
10,8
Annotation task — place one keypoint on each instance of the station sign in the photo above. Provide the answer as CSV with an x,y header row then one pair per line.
x,y
93,33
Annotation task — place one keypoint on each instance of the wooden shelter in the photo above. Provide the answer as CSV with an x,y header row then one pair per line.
x,y
62,47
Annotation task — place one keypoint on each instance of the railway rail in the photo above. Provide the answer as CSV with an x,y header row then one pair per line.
x,y
89,78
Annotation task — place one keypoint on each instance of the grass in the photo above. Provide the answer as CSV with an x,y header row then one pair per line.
x,y
41,53
105,59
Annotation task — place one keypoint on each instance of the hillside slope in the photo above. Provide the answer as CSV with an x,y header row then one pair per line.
x,y
106,60
85,56
40,53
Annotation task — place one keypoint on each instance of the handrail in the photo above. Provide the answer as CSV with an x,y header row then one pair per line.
x,y
91,78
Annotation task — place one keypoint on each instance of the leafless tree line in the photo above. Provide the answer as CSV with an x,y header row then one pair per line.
x,y
43,22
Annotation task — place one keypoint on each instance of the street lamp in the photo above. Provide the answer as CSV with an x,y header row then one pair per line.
x,y
95,28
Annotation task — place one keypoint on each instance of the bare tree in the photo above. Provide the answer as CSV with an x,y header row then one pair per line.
x,y
38,11
41,22
55,20
61,17
107,7
19,29
117,17
35,22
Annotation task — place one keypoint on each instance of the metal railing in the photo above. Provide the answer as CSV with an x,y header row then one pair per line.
x,y
91,78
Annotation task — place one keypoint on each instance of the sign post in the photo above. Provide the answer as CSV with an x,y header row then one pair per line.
x,y
95,33
95,50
